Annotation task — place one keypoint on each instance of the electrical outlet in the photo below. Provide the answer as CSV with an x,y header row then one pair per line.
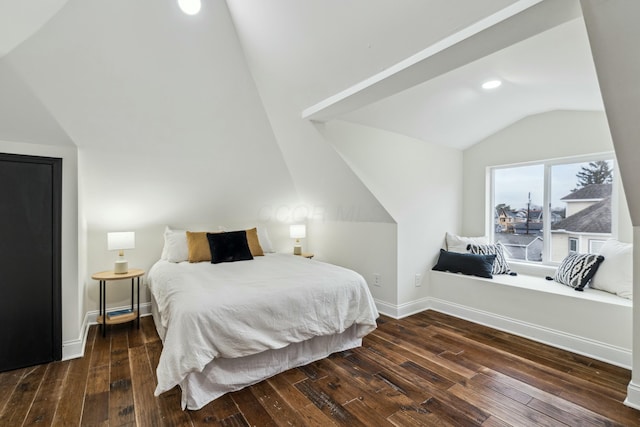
x,y
377,281
418,280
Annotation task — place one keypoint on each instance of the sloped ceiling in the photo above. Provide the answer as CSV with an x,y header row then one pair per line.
x,y
19,20
23,116
550,71
313,49
161,106
320,49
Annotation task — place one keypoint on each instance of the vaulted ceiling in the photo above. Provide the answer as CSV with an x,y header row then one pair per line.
x,y
319,49
355,61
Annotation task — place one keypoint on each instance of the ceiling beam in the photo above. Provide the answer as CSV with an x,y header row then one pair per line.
x,y
515,23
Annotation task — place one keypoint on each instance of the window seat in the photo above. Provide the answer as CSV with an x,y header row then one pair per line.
x,y
593,323
543,285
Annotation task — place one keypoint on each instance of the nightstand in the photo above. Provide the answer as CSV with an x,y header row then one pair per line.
x,y
306,255
104,318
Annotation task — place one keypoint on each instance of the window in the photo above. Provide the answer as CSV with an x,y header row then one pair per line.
x,y
544,211
573,245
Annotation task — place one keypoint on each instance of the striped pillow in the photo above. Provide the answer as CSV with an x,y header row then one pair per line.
x,y
500,265
576,270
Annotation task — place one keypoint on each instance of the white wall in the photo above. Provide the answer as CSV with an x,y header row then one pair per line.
x,y
551,135
418,183
366,247
72,302
168,123
613,32
171,130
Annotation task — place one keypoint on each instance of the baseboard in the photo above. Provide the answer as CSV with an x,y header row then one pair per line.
x,y
633,395
402,310
73,349
607,353
597,350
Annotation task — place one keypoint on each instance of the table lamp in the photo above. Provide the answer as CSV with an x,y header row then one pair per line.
x,y
119,241
297,231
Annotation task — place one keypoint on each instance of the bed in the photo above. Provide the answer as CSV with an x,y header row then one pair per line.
x,y
229,325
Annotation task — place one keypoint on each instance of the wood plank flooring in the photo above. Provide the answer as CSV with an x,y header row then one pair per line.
x,y
427,369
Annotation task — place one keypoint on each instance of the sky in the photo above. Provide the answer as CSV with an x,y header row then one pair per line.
x,y
512,185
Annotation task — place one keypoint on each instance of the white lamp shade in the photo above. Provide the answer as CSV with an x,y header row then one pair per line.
x,y
298,231
117,241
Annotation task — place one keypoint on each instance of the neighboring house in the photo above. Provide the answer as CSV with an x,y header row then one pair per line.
x,y
516,221
555,217
585,197
588,222
535,215
521,246
521,238
531,228
505,221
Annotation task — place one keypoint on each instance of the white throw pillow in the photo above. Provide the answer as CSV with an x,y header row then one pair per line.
x,y
459,243
175,245
615,274
500,264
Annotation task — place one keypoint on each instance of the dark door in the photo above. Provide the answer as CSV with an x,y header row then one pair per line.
x,y
30,278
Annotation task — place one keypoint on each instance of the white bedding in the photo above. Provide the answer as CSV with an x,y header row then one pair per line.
x,y
232,310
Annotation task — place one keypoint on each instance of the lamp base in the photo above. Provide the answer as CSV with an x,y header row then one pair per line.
x,y
121,267
297,250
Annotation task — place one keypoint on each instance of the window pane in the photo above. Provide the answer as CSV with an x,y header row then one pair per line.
x,y
580,206
573,245
518,196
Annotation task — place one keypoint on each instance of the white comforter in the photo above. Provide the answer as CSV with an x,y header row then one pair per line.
x,y
231,310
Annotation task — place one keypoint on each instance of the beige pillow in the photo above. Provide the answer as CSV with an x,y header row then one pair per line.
x,y
254,242
198,246
199,250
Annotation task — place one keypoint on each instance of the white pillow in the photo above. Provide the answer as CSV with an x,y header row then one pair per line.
x,y
459,243
615,273
265,242
175,246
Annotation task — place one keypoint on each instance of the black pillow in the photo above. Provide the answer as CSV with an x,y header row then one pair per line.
x,y
471,264
229,247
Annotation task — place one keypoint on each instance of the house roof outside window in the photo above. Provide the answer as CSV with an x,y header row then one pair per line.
x,y
590,192
595,218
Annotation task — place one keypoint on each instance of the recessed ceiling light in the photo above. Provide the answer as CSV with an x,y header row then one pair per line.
x,y
190,7
491,84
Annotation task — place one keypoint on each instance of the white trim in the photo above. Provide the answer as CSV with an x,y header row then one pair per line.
x,y
633,395
591,348
402,310
72,349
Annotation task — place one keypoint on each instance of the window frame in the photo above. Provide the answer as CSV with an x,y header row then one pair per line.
x,y
599,241
577,244
546,205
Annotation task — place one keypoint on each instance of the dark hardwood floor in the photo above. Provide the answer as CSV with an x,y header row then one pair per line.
x,y
428,369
